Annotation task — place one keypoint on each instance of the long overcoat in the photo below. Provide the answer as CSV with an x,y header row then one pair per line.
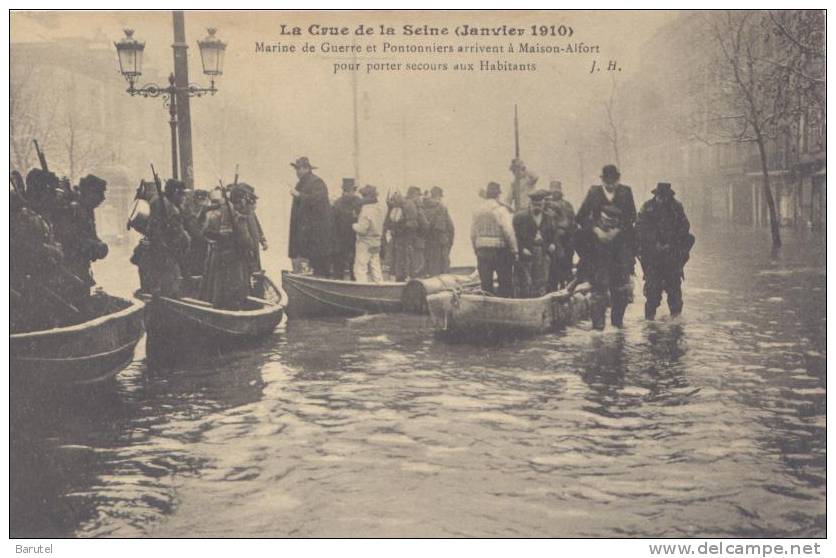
x,y
311,220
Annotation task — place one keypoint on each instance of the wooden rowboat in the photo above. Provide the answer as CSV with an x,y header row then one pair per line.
x,y
91,351
198,321
461,314
312,297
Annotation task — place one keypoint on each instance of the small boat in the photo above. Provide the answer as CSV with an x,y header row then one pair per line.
x,y
313,297
87,352
197,320
460,313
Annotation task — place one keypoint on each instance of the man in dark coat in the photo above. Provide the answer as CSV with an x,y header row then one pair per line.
x,y
346,210
167,240
311,221
440,234
664,244
227,281
403,221
35,258
417,242
536,239
79,239
606,218
562,215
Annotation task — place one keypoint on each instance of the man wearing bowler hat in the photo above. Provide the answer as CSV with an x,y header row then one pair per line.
x,y
311,221
664,245
606,219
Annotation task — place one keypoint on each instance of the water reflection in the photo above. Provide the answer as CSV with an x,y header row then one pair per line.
x,y
709,425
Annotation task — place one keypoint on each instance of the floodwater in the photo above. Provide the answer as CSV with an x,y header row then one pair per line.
x,y
710,425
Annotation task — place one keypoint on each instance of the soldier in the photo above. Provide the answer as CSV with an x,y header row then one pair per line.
x,y
159,265
311,221
79,239
346,210
536,241
562,215
440,234
664,243
417,243
523,184
606,219
250,204
403,224
369,229
495,243
193,210
35,259
227,281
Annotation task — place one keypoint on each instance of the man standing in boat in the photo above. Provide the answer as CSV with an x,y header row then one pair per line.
x,y
346,210
562,215
495,243
664,245
440,233
369,231
536,241
167,241
227,281
311,221
606,218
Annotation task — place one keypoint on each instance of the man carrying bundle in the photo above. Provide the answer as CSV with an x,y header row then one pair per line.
x,y
606,219
664,245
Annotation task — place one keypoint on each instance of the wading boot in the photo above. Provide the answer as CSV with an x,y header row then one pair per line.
x,y
617,315
649,312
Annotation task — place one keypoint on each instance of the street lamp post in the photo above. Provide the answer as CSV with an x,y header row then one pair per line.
x,y
130,52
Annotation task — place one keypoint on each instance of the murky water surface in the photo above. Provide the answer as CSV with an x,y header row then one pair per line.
x,y
712,425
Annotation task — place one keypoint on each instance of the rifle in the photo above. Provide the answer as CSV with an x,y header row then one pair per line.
x,y
159,186
41,156
516,135
17,183
235,181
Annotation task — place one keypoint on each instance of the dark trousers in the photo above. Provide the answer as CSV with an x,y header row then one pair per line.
x,y
532,273
611,286
343,261
663,281
320,265
497,261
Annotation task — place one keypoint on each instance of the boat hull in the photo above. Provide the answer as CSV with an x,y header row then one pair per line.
x,y
88,352
314,297
461,314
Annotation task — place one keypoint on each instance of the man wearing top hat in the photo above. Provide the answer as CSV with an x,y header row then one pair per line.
x,y
606,219
311,221
562,215
536,240
664,244
346,210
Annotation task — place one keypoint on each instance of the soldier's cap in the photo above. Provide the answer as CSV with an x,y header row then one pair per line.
x,y
556,186
663,188
172,185
517,164
239,191
493,190
249,190
368,191
302,162
92,182
413,191
201,194
610,171
539,195
436,192
349,184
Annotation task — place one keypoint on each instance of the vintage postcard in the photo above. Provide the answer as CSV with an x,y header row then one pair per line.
x,y
433,274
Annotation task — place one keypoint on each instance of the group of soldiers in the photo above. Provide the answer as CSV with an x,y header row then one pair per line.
x,y
199,243
528,244
356,235
53,241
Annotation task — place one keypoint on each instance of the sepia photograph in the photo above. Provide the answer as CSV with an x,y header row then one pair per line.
x,y
434,274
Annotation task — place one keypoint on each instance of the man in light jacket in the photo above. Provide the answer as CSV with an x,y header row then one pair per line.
x,y
495,243
369,229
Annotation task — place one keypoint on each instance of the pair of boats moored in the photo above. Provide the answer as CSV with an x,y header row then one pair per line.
x,y
100,348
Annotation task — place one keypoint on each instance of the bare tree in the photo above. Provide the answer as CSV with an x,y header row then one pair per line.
x,y
751,104
32,110
82,146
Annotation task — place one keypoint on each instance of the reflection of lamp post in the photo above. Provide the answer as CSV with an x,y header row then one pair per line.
x,y
130,52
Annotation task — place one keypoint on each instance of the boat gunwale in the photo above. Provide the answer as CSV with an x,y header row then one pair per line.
x,y
267,308
136,305
303,278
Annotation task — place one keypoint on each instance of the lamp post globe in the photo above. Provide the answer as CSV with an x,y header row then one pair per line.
x,y
130,55
212,51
